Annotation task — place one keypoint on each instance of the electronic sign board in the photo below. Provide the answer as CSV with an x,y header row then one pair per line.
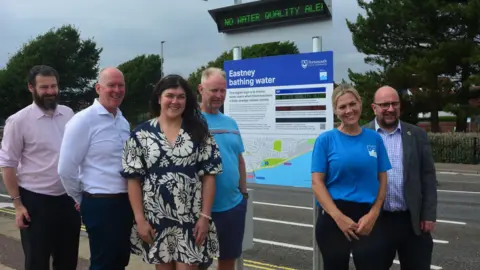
x,y
268,13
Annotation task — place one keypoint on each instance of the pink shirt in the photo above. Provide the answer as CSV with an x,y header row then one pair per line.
x,y
31,143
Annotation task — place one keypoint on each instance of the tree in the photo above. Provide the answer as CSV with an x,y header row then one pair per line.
x,y
141,74
257,50
75,59
430,45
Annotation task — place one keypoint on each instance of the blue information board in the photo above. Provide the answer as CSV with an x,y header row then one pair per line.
x,y
294,69
281,105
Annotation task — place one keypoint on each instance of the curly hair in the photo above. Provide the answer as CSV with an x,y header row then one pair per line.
x,y
193,121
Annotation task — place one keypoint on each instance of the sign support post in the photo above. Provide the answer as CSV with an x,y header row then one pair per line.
x,y
237,55
317,256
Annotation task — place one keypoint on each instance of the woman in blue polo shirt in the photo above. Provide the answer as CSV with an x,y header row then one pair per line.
x,y
349,180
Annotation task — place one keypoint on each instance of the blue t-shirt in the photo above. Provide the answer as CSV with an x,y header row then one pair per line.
x,y
351,164
226,133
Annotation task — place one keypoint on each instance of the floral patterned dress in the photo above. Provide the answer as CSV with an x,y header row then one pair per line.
x,y
172,192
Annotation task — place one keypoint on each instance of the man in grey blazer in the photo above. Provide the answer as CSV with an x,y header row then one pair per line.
x,y
410,207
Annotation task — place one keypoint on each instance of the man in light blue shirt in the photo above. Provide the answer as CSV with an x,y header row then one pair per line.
x,y
410,208
89,166
230,204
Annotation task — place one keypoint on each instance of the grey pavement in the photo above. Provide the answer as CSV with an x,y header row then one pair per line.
x,y
283,226
11,255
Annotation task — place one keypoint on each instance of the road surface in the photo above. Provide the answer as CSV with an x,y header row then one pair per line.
x,y
283,224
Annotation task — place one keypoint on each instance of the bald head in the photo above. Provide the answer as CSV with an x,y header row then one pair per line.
x,y
108,72
386,105
385,92
110,88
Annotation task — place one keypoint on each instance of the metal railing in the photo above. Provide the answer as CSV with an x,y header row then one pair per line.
x,y
460,148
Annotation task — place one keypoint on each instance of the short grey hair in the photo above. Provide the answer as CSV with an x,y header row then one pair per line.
x,y
206,73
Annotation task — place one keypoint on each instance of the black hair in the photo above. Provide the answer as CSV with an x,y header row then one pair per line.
x,y
41,70
193,121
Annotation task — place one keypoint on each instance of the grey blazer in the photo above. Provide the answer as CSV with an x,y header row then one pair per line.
x,y
420,179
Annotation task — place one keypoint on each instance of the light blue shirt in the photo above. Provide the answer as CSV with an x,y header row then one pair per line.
x,y
226,134
351,164
91,152
395,200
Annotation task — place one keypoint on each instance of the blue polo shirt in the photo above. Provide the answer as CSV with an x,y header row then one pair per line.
x,y
351,164
226,134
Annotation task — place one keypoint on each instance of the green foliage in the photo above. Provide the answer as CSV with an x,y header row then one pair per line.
x,y
430,46
76,61
141,74
254,51
461,148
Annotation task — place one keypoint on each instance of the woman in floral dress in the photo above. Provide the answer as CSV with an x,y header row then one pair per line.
x,y
170,163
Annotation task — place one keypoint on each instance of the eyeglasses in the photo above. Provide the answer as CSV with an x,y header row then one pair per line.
x,y
386,105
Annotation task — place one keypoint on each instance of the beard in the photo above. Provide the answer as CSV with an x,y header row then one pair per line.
x,y
46,102
389,124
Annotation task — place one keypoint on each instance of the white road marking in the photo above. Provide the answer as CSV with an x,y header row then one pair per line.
x,y
311,226
451,222
459,173
283,222
286,245
284,205
440,241
311,208
434,267
458,191
280,244
6,205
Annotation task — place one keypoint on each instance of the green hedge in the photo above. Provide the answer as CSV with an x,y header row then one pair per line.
x,y
461,148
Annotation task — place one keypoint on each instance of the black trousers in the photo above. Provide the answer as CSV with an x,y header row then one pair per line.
x,y
108,220
336,248
414,251
54,231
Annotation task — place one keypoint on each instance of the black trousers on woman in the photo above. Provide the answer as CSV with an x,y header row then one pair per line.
x,y
335,247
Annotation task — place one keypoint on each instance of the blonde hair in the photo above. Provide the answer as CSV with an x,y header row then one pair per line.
x,y
341,90
211,71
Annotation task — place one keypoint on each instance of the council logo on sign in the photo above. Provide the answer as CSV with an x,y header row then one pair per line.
x,y
313,63
304,64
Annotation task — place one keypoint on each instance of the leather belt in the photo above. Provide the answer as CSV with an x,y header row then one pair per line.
x,y
104,195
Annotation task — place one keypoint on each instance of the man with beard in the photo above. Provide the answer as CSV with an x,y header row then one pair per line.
x,y
230,204
89,166
410,207
48,221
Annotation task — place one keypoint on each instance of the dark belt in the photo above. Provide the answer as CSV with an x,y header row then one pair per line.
x,y
397,212
104,195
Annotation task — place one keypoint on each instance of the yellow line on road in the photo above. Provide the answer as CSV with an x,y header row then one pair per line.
x,y
268,265
248,263
257,267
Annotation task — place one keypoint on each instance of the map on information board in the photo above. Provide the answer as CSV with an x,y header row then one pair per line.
x,y
281,104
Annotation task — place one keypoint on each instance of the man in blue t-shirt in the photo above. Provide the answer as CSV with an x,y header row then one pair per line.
x,y
230,205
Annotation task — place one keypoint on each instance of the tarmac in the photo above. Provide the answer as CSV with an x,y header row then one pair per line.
x,y
11,254
458,168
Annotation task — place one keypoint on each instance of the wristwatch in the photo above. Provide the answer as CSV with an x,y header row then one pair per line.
x,y
245,195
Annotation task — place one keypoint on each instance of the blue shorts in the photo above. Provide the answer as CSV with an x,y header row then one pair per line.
x,y
230,226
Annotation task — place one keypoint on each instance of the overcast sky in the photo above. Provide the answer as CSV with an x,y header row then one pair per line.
x,y
126,29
